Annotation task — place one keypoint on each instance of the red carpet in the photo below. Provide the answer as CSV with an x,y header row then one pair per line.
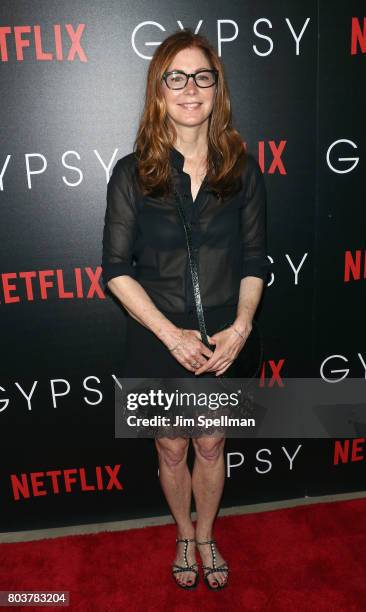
x,y
299,559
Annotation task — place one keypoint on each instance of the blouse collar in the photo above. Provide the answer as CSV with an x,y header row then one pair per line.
x,y
176,159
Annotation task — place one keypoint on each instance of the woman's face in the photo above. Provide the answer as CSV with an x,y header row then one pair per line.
x,y
192,105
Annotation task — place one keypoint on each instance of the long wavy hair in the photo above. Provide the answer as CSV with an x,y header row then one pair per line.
x,y
156,134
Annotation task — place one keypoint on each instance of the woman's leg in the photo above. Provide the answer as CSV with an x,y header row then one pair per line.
x,y
175,480
207,484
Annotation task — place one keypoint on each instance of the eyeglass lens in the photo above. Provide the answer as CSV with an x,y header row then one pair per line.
x,y
176,80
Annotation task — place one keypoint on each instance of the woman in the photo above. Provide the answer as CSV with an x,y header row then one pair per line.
x,y
186,144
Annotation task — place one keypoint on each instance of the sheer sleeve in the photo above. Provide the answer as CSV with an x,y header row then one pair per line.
x,y
120,224
253,223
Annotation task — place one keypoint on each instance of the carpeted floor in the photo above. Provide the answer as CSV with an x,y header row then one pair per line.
x,y
310,558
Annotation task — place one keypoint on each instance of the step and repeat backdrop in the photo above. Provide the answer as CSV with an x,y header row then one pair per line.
x,y
72,77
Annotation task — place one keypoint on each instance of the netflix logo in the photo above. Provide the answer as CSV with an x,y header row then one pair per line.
x,y
349,451
65,43
270,156
270,374
358,36
32,285
354,265
54,482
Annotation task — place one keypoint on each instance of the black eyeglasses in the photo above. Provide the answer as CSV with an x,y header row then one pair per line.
x,y
177,79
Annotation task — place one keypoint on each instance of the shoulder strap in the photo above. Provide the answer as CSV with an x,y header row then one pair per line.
x,y
194,274
196,288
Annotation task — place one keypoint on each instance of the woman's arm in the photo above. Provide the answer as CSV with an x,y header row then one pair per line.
x,y
140,306
119,235
251,289
255,264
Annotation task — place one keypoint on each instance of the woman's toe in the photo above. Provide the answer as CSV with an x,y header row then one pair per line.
x,y
216,580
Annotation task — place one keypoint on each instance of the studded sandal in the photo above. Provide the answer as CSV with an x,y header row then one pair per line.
x,y
176,569
214,568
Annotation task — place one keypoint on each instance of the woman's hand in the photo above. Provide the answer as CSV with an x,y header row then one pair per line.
x,y
189,349
228,344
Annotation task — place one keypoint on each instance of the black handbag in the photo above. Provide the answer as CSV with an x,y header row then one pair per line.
x,y
198,302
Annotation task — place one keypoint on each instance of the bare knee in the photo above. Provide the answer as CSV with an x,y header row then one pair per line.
x,y
208,449
172,452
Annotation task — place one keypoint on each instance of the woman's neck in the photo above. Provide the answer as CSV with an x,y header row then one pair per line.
x,y
193,147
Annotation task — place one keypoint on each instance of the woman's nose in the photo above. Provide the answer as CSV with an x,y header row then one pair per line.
x,y
191,84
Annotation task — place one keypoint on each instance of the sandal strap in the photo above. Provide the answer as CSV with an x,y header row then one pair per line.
x,y
214,567
185,540
212,570
180,568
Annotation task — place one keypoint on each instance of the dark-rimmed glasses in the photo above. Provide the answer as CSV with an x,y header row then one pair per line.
x,y
177,79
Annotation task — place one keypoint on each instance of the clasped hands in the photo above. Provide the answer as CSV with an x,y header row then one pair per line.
x,y
190,351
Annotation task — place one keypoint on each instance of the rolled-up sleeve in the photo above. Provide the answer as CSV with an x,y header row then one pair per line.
x,y
253,224
120,226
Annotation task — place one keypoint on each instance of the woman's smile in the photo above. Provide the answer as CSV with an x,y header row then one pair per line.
x,y
190,105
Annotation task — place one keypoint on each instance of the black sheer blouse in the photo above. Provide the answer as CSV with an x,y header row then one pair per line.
x,y
144,237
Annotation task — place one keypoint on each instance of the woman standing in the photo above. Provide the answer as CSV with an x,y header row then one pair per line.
x,y
186,147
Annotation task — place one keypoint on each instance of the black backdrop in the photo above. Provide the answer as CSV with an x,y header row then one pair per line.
x,y
72,84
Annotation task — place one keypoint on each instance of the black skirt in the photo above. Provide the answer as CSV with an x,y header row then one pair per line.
x,y
147,357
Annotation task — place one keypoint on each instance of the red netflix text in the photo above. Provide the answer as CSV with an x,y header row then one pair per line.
x,y
270,373
349,451
29,37
47,284
354,265
358,36
54,482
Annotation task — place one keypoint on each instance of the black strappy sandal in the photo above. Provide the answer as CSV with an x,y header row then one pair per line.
x,y
176,569
214,568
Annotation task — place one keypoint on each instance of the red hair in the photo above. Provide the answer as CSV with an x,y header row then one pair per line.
x,y
156,134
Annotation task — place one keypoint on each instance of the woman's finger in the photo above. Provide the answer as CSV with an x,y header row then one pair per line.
x,y
186,354
217,363
206,351
209,366
203,348
187,361
220,372
198,361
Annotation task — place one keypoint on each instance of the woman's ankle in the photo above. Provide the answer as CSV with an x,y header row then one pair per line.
x,y
185,530
204,535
